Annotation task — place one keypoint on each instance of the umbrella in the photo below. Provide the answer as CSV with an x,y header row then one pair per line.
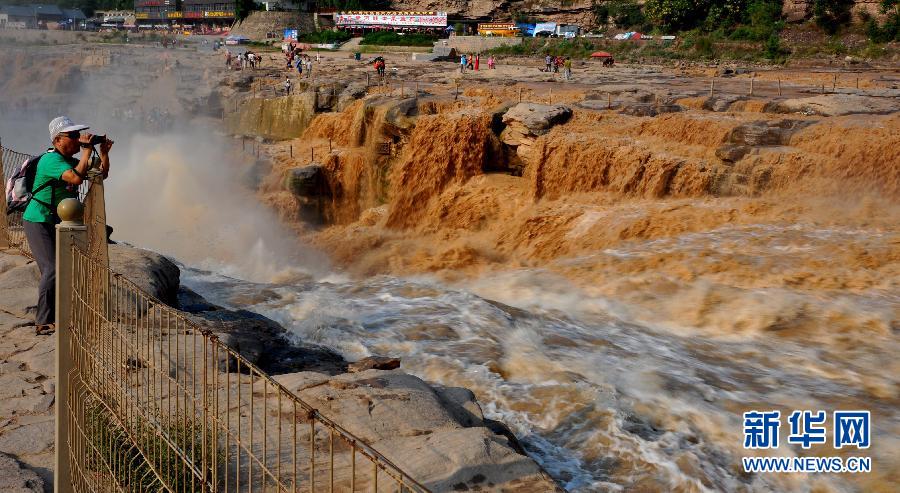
x,y
600,54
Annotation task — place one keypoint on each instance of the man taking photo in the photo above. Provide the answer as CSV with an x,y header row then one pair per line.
x,y
57,177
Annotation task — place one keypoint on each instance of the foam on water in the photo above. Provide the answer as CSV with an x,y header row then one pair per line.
x,y
601,400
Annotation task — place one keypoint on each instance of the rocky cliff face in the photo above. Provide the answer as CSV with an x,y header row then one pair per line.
x,y
561,11
576,12
798,10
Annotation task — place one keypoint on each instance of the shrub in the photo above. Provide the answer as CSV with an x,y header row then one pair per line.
x,y
676,14
723,14
764,19
625,13
523,18
601,13
772,48
830,15
325,37
391,38
885,33
116,445
704,47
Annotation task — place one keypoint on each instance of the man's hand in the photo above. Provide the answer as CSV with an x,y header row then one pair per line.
x,y
105,147
85,139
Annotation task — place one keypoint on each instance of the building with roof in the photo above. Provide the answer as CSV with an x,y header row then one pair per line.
x,y
209,13
17,17
47,12
156,13
74,19
360,21
40,15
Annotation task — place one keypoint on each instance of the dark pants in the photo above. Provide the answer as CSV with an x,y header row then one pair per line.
x,y
42,240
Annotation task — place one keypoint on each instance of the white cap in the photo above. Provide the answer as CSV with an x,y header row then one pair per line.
x,y
63,124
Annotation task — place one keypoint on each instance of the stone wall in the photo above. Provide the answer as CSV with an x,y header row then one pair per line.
x,y
475,44
257,24
273,118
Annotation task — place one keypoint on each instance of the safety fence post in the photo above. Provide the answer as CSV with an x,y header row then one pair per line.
x,y
70,232
4,226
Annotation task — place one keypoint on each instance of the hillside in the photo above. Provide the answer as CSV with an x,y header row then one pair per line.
x,y
580,12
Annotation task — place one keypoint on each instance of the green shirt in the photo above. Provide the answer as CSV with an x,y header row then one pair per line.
x,y
51,167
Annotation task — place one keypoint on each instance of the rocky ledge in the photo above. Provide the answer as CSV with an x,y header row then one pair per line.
x,y
438,434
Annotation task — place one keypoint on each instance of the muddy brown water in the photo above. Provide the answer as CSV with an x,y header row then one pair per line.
x,y
620,336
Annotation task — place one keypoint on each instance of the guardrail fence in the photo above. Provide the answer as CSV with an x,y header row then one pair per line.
x,y
11,232
147,400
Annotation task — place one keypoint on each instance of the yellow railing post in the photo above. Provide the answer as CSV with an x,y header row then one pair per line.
x,y
4,226
70,232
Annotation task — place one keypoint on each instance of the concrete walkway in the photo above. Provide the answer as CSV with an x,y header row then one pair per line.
x,y
27,382
352,45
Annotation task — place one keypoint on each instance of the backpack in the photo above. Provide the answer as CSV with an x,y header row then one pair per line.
x,y
18,186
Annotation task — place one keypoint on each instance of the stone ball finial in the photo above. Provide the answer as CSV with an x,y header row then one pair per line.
x,y
70,211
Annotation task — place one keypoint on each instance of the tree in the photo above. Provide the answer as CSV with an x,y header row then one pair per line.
x,y
673,15
830,15
626,13
243,8
889,30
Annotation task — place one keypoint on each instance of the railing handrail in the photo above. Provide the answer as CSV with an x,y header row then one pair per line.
x,y
314,412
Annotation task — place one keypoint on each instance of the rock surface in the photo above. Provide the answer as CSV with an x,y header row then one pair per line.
x,y
438,434
307,181
351,93
15,479
838,105
27,382
374,363
275,118
525,122
533,119
18,285
151,271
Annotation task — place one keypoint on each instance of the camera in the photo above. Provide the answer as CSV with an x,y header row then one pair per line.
x,y
97,139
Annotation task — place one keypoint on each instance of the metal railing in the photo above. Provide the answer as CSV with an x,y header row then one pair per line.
x,y
11,232
148,400
160,404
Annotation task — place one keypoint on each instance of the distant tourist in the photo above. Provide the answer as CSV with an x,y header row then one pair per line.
x,y
567,68
287,86
309,67
57,177
462,63
491,62
471,62
477,59
548,61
